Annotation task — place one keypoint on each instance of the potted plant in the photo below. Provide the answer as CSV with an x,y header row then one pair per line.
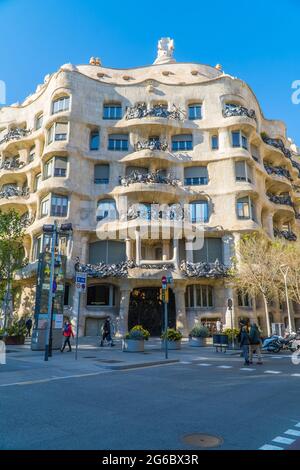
x,y
15,334
198,335
135,339
232,334
173,337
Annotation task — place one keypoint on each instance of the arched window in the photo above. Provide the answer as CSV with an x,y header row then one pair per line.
x,y
112,111
195,175
198,295
245,208
94,139
106,210
100,295
107,251
61,104
195,111
182,142
199,211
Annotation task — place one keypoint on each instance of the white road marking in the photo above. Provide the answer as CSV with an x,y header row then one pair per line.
x,y
269,447
272,372
247,368
185,362
283,440
297,425
224,367
295,375
293,432
50,379
204,365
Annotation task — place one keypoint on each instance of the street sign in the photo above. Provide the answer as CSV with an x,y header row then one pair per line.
x,y
80,282
164,282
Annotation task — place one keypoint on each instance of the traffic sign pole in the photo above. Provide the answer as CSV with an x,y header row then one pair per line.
x,y
80,283
164,288
77,326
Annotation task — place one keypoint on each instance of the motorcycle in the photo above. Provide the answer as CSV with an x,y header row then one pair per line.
x,y
277,343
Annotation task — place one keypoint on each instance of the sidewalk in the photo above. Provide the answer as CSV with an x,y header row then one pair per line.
x,y
23,365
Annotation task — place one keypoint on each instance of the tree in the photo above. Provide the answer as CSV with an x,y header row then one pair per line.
x,y
12,256
257,270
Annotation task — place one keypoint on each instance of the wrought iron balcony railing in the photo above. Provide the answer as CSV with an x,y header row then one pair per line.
x,y
285,199
15,134
277,143
103,270
141,110
296,165
278,170
12,191
202,269
230,110
287,234
148,178
151,145
11,164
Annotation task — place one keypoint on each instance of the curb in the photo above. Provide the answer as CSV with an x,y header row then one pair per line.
x,y
140,364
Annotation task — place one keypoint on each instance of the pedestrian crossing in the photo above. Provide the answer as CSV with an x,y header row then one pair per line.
x,y
282,442
242,369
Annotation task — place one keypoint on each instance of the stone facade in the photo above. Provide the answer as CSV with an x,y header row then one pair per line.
x,y
97,146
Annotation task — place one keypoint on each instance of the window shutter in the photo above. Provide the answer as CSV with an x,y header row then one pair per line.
x,y
61,162
116,252
196,172
101,171
214,246
182,137
61,128
240,171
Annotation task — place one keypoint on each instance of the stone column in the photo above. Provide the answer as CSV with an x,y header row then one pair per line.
x,y
84,249
176,253
181,318
189,250
138,247
165,250
123,312
128,249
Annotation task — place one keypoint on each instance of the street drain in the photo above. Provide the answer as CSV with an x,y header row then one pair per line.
x,y
202,440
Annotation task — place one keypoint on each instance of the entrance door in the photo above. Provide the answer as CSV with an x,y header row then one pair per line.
x,y
146,309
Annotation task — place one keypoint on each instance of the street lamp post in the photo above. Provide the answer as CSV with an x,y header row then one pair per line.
x,y
285,275
230,308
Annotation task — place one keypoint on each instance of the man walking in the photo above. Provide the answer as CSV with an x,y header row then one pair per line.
x,y
106,332
255,343
244,341
67,333
28,325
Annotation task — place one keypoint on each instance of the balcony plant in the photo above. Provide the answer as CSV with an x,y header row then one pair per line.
x,y
173,337
198,335
135,339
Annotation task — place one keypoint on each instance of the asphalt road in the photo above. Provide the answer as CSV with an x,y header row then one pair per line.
x,y
155,407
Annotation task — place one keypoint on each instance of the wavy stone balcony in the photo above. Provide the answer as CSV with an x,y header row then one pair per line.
x,y
286,234
297,166
283,200
232,110
278,171
278,144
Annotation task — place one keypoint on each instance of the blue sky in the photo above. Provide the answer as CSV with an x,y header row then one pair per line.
x,y
258,41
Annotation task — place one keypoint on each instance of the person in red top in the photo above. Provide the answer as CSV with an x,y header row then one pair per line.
x,y
67,333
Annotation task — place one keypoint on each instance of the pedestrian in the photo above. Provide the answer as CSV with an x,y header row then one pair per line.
x,y
67,333
28,325
255,343
106,333
219,326
244,341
